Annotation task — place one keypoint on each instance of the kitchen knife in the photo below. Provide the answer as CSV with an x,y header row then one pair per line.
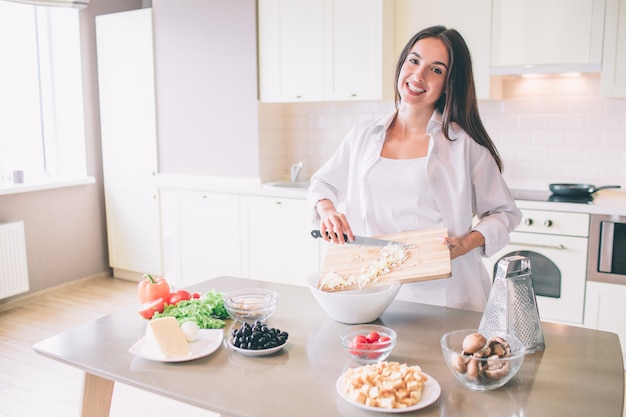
x,y
361,240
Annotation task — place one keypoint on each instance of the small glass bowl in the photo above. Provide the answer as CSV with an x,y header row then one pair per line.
x,y
476,377
251,304
366,352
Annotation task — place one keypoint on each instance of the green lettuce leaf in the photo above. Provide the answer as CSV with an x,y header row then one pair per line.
x,y
207,311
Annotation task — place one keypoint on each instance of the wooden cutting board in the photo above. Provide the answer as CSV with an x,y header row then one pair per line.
x,y
428,259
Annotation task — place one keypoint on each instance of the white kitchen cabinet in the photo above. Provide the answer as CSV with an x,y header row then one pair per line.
x,y
312,50
605,308
291,50
129,140
554,35
360,46
471,18
278,240
201,236
133,234
613,78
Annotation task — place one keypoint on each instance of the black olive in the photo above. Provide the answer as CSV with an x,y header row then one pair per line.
x,y
258,336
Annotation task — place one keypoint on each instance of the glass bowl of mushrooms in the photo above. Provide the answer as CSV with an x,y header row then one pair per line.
x,y
482,361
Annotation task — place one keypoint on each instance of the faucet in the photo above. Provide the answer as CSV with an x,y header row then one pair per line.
x,y
295,171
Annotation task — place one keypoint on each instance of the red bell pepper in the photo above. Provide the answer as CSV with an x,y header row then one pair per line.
x,y
151,289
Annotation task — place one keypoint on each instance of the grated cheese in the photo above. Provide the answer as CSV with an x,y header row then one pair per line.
x,y
389,258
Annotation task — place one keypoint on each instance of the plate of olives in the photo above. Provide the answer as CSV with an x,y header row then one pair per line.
x,y
257,339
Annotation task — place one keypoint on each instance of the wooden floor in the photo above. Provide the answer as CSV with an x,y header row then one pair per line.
x,y
34,386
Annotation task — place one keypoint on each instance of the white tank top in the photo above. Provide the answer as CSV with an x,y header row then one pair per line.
x,y
405,201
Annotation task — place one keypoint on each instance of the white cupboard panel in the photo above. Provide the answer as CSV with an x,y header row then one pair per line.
x,y
566,33
201,236
614,64
278,240
133,233
129,141
325,50
127,95
605,309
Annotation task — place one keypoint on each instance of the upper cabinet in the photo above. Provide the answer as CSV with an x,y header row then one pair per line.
x,y
547,36
127,96
471,18
614,65
325,50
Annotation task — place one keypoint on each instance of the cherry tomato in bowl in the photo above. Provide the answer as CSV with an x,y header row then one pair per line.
x,y
373,337
368,343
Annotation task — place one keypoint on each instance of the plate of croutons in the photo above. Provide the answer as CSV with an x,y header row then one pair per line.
x,y
388,387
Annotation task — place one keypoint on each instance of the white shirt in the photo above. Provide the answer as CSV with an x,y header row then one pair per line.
x,y
464,178
406,202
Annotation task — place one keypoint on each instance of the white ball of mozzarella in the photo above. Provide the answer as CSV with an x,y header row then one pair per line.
x,y
191,329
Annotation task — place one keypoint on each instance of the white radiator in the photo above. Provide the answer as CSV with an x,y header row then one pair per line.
x,y
13,266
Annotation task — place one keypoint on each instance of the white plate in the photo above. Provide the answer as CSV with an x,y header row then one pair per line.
x,y
430,394
249,352
207,342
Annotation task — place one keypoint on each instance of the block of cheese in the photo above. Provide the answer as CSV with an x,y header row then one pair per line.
x,y
164,335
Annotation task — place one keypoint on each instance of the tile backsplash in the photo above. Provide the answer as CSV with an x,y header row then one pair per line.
x,y
550,129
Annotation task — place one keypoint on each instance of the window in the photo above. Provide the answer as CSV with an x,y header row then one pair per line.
x,y
41,97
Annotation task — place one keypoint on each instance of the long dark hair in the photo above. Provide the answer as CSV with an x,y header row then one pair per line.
x,y
458,102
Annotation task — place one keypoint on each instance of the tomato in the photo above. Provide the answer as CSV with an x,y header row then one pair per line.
x,y
195,295
147,309
381,343
384,340
178,296
372,342
359,342
373,337
151,289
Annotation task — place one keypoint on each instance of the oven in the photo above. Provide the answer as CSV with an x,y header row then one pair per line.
x,y
556,243
607,249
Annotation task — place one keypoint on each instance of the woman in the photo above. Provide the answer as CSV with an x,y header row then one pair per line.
x,y
428,163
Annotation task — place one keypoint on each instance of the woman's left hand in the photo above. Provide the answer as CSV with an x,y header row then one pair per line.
x,y
460,246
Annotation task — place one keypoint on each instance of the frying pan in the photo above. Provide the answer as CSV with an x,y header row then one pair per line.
x,y
578,189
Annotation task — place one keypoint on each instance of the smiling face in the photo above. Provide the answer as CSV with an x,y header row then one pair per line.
x,y
423,75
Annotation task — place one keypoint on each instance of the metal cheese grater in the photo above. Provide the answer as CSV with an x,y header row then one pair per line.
x,y
512,306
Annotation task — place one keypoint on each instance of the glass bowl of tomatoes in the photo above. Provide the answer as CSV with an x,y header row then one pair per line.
x,y
249,305
368,343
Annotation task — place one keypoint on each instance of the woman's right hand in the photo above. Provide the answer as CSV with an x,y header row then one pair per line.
x,y
333,224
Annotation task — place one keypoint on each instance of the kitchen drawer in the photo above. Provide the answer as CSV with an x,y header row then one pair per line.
x,y
554,223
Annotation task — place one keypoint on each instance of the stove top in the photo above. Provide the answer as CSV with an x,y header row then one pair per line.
x,y
539,195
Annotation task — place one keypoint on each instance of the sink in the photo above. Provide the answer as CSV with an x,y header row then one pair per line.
x,y
288,184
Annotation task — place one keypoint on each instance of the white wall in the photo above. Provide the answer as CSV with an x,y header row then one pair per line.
x,y
547,130
206,87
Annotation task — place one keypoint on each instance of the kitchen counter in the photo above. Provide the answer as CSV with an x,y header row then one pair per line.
x,y
247,186
578,374
610,201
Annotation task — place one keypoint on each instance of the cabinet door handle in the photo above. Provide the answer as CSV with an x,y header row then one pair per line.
x,y
607,232
536,245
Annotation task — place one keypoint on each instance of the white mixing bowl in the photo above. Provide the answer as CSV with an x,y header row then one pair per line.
x,y
353,306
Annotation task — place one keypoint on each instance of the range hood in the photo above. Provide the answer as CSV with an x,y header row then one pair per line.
x,y
546,69
77,4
